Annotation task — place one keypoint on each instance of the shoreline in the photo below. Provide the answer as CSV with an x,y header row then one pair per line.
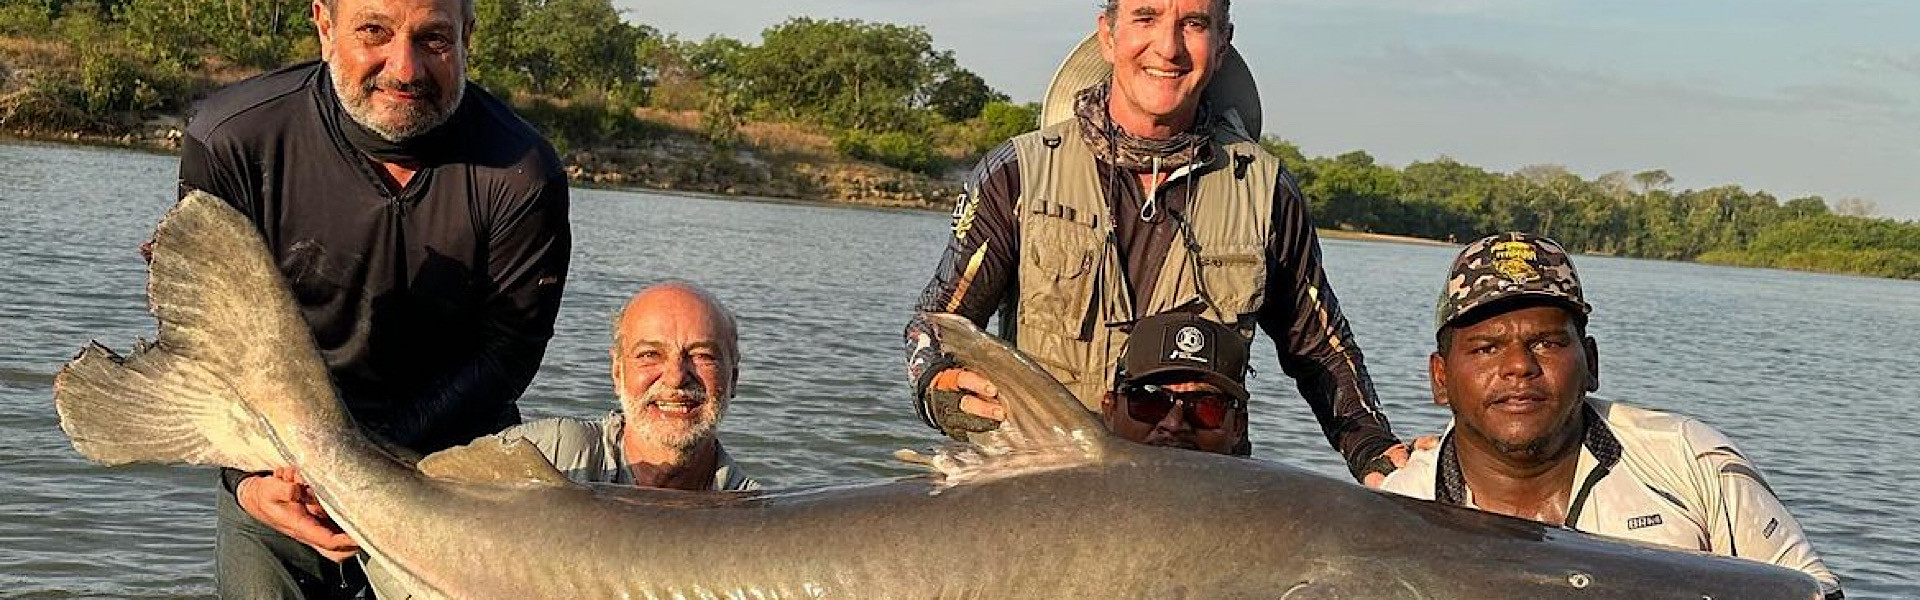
x,y
164,141
1342,234
860,186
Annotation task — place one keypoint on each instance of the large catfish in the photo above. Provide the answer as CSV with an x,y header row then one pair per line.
x,y
1051,506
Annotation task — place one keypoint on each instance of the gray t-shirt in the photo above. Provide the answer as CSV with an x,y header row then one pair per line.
x,y
589,451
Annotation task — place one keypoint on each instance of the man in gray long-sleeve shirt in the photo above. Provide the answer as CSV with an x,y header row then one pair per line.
x,y
676,356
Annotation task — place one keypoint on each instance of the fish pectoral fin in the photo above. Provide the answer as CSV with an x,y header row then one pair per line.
x,y
1042,416
493,459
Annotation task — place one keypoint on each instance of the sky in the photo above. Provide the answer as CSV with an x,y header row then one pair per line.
x,y
1794,98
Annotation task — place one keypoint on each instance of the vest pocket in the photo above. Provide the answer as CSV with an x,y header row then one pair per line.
x,y
1061,356
1057,292
1235,277
1058,273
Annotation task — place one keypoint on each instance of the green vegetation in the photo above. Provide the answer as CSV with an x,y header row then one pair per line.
x,y
1617,213
882,92
871,91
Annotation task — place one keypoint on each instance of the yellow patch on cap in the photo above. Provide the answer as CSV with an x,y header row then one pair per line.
x,y
1514,261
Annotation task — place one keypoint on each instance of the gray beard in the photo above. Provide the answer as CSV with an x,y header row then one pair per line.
x,y
681,442
417,120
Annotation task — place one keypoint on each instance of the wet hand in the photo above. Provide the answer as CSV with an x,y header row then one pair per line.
x,y
284,502
1395,456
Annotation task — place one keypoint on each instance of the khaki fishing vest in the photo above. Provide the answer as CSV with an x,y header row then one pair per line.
x,y
1072,309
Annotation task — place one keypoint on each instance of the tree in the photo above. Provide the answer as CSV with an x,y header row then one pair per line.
x,y
959,94
1350,191
1650,180
557,47
845,73
1810,206
1001,120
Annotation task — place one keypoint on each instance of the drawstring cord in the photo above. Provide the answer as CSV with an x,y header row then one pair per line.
x,y
1193,255
1151,208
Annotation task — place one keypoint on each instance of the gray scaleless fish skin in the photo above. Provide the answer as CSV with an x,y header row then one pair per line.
x,y
1050,506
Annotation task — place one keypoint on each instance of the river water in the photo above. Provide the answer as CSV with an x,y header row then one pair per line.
x,y
1815,376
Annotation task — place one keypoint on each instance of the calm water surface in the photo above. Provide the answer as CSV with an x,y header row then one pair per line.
x,y
1815,376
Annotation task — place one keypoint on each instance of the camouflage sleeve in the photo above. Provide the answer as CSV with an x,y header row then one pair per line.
x,y
977,268
1316,347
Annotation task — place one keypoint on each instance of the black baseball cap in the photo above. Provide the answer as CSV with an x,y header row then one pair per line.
x,y
1179,347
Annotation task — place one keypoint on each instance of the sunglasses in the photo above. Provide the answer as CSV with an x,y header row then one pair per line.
x,y
1204,409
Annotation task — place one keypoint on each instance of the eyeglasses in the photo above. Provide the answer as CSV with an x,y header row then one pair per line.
x,y
1205,409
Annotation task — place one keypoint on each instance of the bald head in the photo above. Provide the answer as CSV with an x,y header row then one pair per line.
x,y
682,302
675,361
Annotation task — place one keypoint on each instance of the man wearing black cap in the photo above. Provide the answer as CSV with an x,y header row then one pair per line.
x,y
1182,385
1515,366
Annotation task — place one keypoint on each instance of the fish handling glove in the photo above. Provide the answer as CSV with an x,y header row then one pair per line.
x,y
942,407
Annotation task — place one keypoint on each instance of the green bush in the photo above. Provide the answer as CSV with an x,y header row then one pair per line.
x,y
109,82
582,122
47,101
893,148
25,18
999,121
720,122
116,82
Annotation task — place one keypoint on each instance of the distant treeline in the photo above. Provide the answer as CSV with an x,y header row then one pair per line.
x,y
1617,213
883,93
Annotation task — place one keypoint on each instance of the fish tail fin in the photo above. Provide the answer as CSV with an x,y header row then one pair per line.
x,y
234,360
155,407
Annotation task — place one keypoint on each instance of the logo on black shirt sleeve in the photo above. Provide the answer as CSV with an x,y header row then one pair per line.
x,y
964,211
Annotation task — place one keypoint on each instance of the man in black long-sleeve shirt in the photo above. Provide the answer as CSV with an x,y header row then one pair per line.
x,y
423,229
1143,193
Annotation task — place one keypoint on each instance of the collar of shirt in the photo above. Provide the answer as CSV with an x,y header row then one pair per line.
x,y
1599,452
726,476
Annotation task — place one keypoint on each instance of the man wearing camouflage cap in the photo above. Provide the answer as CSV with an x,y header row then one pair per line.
x,y
1514,365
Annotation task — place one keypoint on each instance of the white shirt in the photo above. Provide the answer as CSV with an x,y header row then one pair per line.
x,y
1655,477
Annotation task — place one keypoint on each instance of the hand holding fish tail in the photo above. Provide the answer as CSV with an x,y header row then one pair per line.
x,y
284,502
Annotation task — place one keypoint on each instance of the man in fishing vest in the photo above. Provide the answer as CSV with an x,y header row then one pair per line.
x,y
1515,365
1144,192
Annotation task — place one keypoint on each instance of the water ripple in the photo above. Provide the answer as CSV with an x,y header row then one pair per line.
x,y
1810,374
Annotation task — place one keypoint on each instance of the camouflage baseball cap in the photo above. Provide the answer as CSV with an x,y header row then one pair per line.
x,y
1509,265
